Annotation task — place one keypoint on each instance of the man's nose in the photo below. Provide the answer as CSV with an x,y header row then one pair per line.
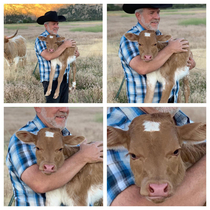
x,y
63,109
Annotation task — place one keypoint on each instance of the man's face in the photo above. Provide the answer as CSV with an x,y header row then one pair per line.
x,y
151,110
171,110
54,116
150,18
52,27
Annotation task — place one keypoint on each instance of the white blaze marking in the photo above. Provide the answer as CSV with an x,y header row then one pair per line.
x,y
51,37
49,134
150,126
147,34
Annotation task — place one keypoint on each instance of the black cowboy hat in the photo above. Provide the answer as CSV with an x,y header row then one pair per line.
x,y
130,8
50,16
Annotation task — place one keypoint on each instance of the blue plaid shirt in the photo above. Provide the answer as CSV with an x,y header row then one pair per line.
x,y
21,156
119,174
136,83
44,65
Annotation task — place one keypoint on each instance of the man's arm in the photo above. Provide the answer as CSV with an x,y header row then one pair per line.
x,y
191,192
41,183
49,56
174,46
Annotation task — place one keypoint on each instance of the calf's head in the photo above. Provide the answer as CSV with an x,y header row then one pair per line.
x,y
51,42
154,145
148,43
49,143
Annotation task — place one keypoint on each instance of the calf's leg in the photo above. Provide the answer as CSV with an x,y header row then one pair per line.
x,y
74,76
167,87
52,73
186,89
60,79
151,82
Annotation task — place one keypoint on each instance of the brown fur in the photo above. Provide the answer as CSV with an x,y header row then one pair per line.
x,y
48,152
155,160
14,46
54,43
151,46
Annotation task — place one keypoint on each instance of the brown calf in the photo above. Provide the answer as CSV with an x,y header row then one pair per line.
x,y
14,49
66,57
175,68
160,152
51,150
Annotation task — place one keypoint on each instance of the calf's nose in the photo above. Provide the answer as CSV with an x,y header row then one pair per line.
x,y
147,57
160,190
51,50
49,168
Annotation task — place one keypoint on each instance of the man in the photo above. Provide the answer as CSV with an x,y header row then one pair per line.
x,y
51,23
121,190
135,69
29,183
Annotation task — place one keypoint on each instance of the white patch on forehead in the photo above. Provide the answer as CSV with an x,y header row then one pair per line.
x,y
150,126
49,134
51,37
147,34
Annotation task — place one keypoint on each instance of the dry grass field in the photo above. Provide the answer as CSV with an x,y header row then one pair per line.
x,y
81,121
23,87
119,22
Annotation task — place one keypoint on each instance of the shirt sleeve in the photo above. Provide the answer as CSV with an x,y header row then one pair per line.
x,y
119,174
22,155
128,49
40,46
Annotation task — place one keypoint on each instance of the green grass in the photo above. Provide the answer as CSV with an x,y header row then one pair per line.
x,y
95,29
177,13
99,117
15,26
193,21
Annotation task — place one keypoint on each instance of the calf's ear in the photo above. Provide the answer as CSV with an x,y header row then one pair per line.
x,y
116,138
163,38
73,140
192,133
59,39
132,37
26,137
42,38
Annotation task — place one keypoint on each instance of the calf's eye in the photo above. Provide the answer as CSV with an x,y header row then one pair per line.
x,y
133,156
176,152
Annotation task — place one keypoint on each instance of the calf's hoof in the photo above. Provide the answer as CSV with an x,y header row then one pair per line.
x,y
56,95
72,89
48,93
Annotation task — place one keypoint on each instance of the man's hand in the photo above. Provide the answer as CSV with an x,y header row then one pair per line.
x,y
92,152
178,45
191,62
77,53
69,43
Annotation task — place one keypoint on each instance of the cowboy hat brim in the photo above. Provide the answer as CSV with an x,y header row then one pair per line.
x,y
50,16
131,8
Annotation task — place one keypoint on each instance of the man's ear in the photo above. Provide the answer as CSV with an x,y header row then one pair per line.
x,y
192,133
27,137
132,37
163,38
116,138
42,38
73,140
